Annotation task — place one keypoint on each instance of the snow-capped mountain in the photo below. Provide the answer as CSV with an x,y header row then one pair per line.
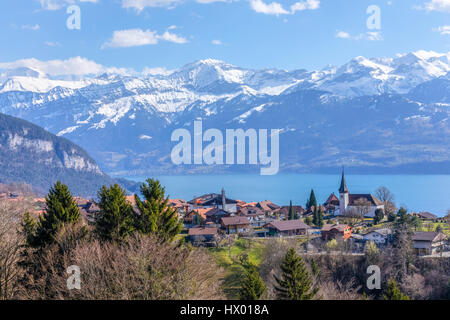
x,y
369,112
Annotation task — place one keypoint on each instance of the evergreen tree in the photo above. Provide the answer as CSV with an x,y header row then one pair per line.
x,y
253,286
295,282
29,226
311,200
115,219
393,292
155,215
379,215
61,209
318,217
291,211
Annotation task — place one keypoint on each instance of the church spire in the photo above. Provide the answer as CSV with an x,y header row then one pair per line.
x,y
343,188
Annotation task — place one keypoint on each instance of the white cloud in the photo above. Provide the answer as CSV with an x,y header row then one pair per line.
x,y
140,5
275,8
343,35
437,5
217,42
58,4
36,27
444,30
369,36
71,66
171,37
139,37
306,5
52,44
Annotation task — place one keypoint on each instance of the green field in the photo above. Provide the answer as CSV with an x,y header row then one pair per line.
x,y
228,259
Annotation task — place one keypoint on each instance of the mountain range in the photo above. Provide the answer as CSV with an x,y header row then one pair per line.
x,y
374,115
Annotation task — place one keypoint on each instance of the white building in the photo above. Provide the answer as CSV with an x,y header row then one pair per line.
x,y
380,236
351,201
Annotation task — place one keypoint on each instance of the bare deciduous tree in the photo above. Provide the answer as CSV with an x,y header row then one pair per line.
x,y
387,197
11,240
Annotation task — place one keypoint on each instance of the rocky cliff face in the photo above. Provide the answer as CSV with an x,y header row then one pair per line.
x,y
30,154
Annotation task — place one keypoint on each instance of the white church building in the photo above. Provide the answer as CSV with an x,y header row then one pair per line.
x,y
351,201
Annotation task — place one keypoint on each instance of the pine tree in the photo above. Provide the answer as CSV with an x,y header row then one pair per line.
x,y
393,292
115,219
291,212
61,209
319,217
312,202
295,282
155,215
253,286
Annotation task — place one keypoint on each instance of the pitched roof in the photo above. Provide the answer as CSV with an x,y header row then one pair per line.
x,y
343,188
251,211
202,211
332,199
383,231
267,205
428,236
298,209
426,215
211,199
287,225
236,220
353,198
339,227
202,231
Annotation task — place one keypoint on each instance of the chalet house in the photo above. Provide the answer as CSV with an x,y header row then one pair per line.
x,y
287,228
188,219
379,236
251,211
335,231
350,201
215,214
236,224
268,207
331,204
284,211
214,200
204,236
428,243
424,216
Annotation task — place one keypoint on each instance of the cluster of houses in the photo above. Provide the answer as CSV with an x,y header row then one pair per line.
x,y
214,215
211,217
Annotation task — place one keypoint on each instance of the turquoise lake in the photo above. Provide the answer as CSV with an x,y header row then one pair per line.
x,y
415,192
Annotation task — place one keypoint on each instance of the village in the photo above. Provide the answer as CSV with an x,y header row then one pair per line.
x,y
347,222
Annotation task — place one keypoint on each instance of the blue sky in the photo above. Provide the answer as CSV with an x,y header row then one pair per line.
x,y
249,33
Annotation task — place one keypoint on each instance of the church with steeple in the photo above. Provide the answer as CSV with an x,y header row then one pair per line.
x,y
352,201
